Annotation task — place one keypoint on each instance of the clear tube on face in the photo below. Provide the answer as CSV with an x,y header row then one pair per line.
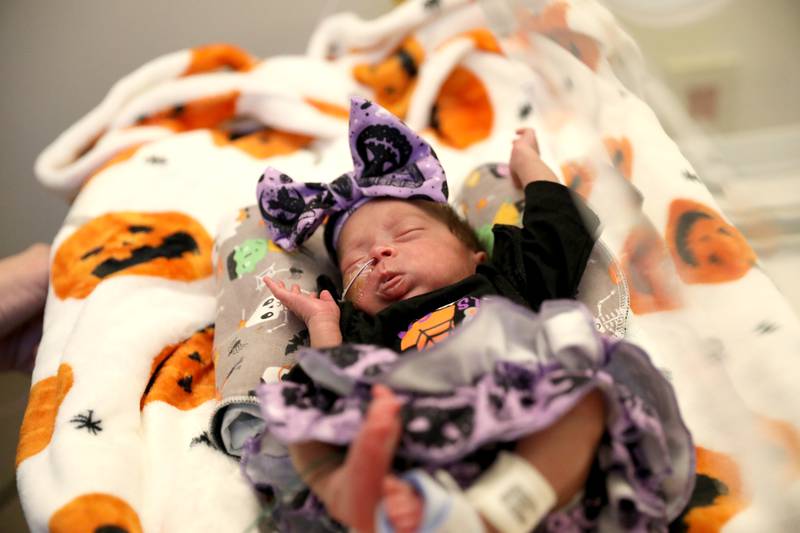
x,y
355,280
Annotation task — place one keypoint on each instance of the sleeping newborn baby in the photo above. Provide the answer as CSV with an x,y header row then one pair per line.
x,y
414,277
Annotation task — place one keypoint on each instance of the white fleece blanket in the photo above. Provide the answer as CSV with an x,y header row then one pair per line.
x,y
123,385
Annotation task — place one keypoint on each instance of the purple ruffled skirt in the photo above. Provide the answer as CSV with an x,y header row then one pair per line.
x,y
507,373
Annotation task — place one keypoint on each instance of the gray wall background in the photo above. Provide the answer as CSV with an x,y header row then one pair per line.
x,y
59,58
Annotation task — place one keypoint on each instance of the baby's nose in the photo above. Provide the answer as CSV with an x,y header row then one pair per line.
x,y
381,251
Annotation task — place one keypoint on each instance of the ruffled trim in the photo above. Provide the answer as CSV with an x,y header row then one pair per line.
x,y
643,474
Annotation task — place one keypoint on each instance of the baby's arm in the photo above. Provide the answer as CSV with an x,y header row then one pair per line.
x,y
564,452
525,164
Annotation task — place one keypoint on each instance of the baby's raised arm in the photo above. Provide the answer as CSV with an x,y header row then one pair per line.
x,y
525,164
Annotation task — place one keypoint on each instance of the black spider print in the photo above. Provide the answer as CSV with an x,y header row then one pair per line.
x,y
525,110
765,327
383,149
691,176
237,347
432,4
86,421
203,438
156,160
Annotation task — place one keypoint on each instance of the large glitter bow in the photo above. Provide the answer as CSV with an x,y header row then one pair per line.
x,y
389,160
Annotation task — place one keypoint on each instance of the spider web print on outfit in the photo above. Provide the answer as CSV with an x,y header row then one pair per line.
x,y
435,327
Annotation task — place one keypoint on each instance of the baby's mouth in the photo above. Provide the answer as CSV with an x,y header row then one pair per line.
x,y
392,286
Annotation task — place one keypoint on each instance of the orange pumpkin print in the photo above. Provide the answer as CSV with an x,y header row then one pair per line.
x,y
430,329
95,512
552,23
329,108
578,177
705,248
196,114
482,38
463,113
264,143
394,78
621,153
39,421
213,57
718,494
167,245
653,285
182,375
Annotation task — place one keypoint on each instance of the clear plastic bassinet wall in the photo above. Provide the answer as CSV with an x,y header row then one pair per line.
x,y
658,150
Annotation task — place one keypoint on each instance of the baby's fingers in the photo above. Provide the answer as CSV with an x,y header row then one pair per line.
x,y
296,289
326,295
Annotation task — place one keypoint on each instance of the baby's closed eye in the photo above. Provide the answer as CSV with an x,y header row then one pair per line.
x,y
409,233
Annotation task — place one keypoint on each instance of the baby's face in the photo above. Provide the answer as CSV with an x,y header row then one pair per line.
x,y
413,253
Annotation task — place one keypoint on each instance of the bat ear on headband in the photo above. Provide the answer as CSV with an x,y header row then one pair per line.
x,y
389,160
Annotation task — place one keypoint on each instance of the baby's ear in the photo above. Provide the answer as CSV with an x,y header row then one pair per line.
x,y
480,257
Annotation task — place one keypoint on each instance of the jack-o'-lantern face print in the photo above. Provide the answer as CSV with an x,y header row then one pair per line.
x,y
182,375
620,150
394,78
94,513
168,245
704,247
263,143
463,114
718,494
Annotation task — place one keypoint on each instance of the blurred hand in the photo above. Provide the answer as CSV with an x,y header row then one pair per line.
x,y
525,164
23,290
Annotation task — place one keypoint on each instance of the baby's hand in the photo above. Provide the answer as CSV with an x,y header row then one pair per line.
x,y
525,164
308,307
403,505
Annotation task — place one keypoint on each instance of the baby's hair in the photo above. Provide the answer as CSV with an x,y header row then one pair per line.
x,y
457,225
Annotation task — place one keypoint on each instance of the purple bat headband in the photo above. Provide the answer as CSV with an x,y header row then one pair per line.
x,y
389,160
